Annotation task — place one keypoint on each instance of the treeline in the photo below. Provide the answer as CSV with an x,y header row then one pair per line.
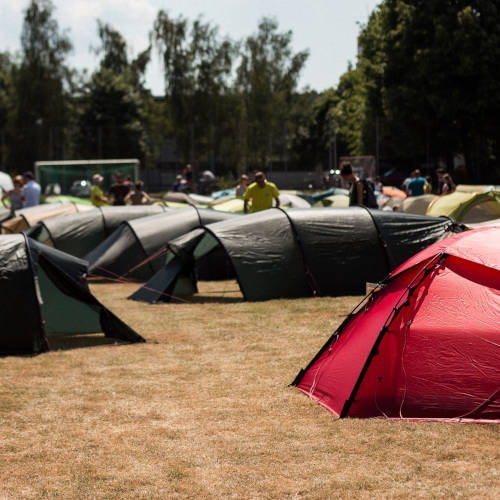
x,y
425,88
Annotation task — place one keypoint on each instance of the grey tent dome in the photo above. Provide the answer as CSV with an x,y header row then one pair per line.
x,y
136,248
44,292
78,234
299,253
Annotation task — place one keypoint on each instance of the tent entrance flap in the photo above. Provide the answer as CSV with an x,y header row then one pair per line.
x,y
205,246
64,314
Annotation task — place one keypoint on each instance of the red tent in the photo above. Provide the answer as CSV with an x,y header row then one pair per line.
x,y
424,346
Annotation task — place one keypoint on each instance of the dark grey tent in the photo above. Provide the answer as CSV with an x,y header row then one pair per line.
x,y
299,253
44,293
136,249
78,234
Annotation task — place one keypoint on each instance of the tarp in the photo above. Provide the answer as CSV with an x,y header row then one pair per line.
x,y
78,234
134,249
467,207
44,292
300,253
426,345
417,204
28,217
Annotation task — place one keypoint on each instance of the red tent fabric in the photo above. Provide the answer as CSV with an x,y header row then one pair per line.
x,y
425,346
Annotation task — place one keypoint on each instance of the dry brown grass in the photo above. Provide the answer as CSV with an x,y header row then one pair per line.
x,y
204,410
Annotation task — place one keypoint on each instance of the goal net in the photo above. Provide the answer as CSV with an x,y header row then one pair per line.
x,y
65,173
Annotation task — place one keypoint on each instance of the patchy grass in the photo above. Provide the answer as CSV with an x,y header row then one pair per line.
x,y
204,410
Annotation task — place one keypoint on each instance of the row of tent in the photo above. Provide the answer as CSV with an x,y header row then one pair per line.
x,y
415,348
276,253
295,253
425,344
468,204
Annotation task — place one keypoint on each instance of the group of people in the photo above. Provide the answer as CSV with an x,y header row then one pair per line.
x,y
184,182
121,192
417,184
363,192
26,193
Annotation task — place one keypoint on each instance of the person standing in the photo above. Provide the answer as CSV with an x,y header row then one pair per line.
x,y
361,192
261,192
207,181
242,186
31,190
445,182
118,190
418,185
138,196
16,195
187,172
96,195
179,185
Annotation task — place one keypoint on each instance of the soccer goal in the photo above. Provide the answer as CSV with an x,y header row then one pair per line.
x,y
65,173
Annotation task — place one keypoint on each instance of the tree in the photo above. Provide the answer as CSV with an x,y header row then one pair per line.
x,y
266,80
7,100
197,65
40,82
432,72
111,121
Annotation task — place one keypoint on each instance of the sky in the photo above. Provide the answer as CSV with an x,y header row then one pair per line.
x,y
327,28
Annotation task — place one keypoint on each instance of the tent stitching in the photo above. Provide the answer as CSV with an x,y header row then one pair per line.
x,y
408,291
311,279
388,255
45,341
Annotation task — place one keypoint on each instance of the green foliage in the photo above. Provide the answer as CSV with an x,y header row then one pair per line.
x,y
40,82
197,65
113,103
110,121
426,87
431,73
267,77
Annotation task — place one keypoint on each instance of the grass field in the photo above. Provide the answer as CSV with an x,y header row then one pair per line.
x,y
203,410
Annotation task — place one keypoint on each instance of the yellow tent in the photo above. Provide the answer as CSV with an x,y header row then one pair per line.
x,y
467,207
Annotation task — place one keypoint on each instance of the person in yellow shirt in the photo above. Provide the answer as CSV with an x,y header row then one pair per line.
x,y
261,192
96,195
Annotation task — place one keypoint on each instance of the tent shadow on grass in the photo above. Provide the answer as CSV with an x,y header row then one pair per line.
x,y
70,342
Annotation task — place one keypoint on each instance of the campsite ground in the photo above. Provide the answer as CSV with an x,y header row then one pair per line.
x,y
204,410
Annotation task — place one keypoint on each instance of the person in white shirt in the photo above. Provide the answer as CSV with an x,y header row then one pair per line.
x,y
31,190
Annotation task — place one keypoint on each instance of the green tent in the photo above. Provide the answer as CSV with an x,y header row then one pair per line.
x,y
44,293
136,249
78,234
466,206
299,252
